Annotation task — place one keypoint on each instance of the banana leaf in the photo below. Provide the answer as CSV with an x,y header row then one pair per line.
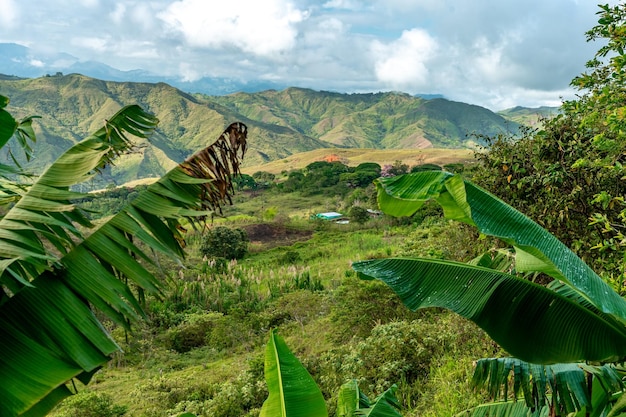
x,y
385,405
531,322
292,391
351,399
568,383
49,333
537,250
505,409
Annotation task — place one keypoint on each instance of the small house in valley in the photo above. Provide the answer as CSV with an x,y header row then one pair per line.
x,y
331,215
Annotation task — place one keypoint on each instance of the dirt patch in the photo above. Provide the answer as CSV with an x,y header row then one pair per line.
x,y
271,235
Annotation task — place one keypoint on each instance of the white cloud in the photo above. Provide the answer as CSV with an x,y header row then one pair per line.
x,y
403,62
479,51
189,72
117,15
343,4
263,28
10,13
90,3
326,31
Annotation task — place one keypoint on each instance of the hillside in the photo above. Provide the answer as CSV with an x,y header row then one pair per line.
x,y
532,117
73,106
281,123
380,121
356,156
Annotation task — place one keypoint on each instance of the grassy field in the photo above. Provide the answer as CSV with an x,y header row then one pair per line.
x,y
202,349
354,157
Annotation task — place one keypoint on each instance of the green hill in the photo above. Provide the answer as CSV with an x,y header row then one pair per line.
x,y
281,123
380,121
532,117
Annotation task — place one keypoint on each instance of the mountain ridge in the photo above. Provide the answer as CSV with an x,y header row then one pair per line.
x,y
281,123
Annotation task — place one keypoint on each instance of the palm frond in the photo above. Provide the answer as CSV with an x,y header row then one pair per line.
x,y
22,131
44,215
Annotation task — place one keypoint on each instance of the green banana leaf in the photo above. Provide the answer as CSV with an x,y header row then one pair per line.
x,y
619,407
537,250
385,405
351,399
22,131
292,391
531,322
48,330
568,383
352,402
505,409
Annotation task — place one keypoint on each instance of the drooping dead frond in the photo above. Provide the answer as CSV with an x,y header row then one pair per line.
x,y
219,161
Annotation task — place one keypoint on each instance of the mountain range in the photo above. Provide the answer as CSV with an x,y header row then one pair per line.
x,y
20,61
281,123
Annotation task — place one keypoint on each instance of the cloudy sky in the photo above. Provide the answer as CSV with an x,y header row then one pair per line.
x,y
494,53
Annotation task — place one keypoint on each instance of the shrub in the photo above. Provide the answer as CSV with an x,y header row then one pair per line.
x,y
224,242
90,404
192,332
290,257
358,214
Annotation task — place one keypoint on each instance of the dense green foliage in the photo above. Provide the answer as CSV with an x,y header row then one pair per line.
x,y
91,404
570,173
224,242
201,350
594,331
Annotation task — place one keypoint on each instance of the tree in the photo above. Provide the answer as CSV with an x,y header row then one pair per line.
x,y
398,168
57,268
572,171
577,317
362,175
244,182
263,178
426,167
358,215
224,242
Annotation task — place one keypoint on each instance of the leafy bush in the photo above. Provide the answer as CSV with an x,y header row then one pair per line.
x,y
192,332
90,404
290,257
358,215
357,303
212,329
224,242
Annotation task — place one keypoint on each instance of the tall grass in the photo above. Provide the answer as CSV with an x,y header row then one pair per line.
x,y
202,349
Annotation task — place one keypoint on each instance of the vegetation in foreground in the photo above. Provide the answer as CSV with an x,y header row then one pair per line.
x,y
200,352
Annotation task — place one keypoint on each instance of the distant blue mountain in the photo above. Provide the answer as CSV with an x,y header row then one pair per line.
x,y
430,96
21,61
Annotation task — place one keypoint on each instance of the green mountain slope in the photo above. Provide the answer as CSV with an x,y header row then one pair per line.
x,y
382,120
532,117
281,123
71,106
